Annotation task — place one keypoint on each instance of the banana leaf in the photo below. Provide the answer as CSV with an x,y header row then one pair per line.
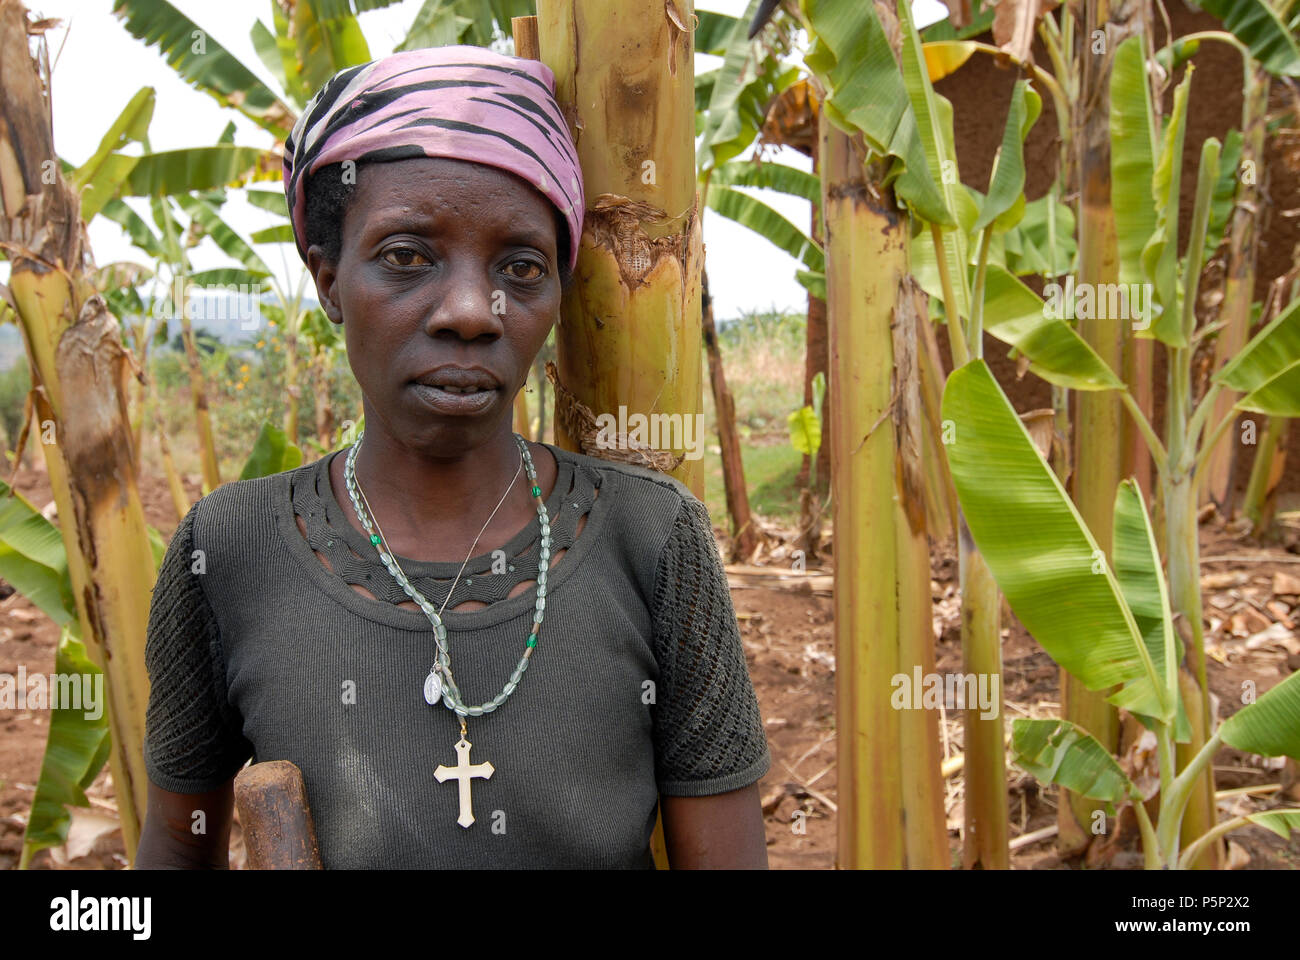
x,y
272,453
33,559
1278,397
1281,822
1266,355
1137,568
76,749
1057,751
227,277
1018,317
935,130
1225,192
1134,145
111,172
1025,248
1160,253
99,177
714,31
202,62
1271,725
1005,203
769,176
1255,23
749,80
813,281
174,172
852,57
1044,558
805,431
287,47
281,233
329,39
137,231
271,201
222,234
757,216
437,24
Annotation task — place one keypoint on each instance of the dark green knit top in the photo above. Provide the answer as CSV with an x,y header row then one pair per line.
x,y
257,648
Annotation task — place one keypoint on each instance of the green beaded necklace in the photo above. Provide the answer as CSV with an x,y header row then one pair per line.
x,y
440,684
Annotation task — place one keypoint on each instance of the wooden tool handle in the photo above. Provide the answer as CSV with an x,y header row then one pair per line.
x,y
278,831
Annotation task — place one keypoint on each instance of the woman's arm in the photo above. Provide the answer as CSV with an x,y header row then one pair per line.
x,y
721,832
709,733
176,837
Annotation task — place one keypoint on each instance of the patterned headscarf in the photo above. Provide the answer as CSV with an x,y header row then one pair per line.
x,y
466,103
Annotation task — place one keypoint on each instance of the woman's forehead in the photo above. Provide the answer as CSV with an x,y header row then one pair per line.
x,y
436,186
450,195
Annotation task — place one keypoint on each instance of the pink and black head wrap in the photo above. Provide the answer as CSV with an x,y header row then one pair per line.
x,y
465,103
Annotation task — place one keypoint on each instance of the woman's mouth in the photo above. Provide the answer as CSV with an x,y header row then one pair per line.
x,y
457,391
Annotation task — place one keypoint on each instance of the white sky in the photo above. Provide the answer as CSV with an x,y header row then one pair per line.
x,y
100,66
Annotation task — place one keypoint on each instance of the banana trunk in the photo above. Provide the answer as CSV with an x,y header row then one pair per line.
x,y
629,336
890,808
73,340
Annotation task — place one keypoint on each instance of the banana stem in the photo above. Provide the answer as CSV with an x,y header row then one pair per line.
x,y
956,335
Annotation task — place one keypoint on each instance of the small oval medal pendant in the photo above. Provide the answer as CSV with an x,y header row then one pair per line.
x,y
432,689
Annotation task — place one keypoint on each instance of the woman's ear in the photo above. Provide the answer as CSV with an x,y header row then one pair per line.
x,y
325,272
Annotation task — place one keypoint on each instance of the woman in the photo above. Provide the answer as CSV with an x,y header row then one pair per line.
x,y
481,652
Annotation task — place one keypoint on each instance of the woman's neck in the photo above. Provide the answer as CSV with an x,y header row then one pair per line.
x,y
432,508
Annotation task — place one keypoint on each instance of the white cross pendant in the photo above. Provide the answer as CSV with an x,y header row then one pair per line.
x,y
463,772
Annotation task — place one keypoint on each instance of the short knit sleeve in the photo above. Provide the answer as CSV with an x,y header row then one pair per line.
x,y
193,737
708,734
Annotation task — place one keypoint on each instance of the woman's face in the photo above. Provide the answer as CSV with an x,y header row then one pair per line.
x,y
446,285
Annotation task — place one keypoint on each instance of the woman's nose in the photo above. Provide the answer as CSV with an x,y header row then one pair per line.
x,y
468,304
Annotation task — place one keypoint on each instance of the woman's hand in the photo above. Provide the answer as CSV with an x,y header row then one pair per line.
x,y
722,832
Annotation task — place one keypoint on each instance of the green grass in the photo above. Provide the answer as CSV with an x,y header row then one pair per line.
x,y
763,357
770,473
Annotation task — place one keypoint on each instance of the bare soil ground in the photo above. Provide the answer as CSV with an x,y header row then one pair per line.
x,y
1254,604
788,639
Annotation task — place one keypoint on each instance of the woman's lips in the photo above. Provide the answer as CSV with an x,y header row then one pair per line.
x,y
451,404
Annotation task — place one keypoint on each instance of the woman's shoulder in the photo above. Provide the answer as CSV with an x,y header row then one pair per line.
x,y
635,481
239,508
653,511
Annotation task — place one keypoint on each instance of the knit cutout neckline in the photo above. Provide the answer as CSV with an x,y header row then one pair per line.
x,y
346,554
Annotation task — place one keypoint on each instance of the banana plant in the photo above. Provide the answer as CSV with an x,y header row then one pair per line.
x,y
326,346
1109,623
1267,375
732,105
306,43
901,117
1149,225
805,424
34,562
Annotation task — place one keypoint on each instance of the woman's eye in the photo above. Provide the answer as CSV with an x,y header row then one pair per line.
x,y
405,257
525,270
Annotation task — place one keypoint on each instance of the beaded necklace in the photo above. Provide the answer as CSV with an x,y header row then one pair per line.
x,y
440,684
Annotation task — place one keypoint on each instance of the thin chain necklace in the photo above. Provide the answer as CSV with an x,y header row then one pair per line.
x,y
440,683
383,543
